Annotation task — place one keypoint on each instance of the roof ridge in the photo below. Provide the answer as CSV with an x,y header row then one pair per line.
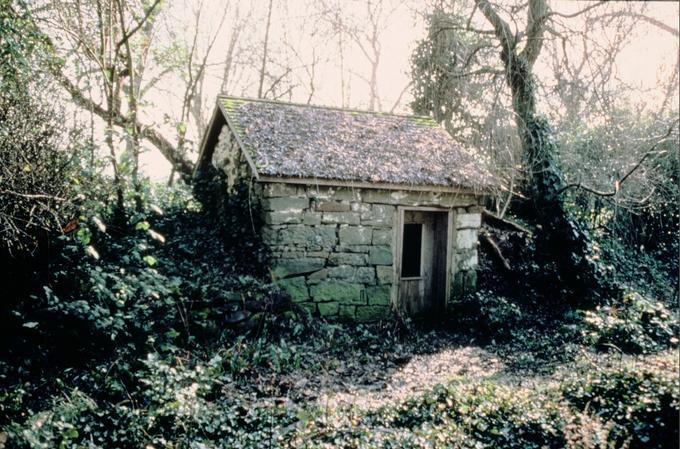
x,y
318,106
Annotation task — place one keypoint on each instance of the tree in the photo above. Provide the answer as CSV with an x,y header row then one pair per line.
x,y
366,33
188,60
455,80
104,31
562,239
36,164
93,39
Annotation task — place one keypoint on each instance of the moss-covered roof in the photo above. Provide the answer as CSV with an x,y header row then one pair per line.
x,y
291,140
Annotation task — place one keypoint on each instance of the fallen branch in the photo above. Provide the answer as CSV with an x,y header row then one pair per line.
x,y
32,195
492,246
503,223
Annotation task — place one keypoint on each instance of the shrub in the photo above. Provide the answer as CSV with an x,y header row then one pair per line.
x,y
642,400
166,283
489,414
639,325
488,314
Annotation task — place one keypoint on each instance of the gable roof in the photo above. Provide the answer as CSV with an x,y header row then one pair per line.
x,y
303,141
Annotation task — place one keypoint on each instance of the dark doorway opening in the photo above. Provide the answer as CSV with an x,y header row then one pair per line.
x,y
423,245
410,255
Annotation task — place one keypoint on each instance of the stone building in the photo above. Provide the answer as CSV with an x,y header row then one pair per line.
x,y
365,213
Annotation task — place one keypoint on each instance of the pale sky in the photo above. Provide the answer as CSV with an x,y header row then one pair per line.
x,y
649,55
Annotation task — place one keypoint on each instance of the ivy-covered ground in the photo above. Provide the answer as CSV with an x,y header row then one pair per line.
x,y
357,388
161,337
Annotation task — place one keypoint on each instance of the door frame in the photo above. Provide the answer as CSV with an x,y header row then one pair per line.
x,y
398,237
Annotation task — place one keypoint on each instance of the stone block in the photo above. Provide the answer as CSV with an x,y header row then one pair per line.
x,y
468,261
380,255
464,283
468,221
308,307
276,217
382,237
466,238
328,308
346,194
278,189
379,215
379,295
470,281
340,217
458,287
295,234
353,248
290,267
337,291
356,206
347,259
317,276
355,235
309,237
270,235
295,287
385,274
324,236
418,198
397,197
283,204
365,275
456,200
311,218
347,312
372,313
332,206
379,196
342,272
290,253
323,254
318,192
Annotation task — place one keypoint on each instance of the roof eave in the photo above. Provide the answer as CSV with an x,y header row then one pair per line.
x,y
374,185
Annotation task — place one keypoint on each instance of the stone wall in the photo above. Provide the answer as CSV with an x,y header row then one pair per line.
x,y
465,256
333,248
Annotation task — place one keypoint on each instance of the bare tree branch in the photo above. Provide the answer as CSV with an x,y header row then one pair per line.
x,y
578,13
617,184
133,30
167,149
501,27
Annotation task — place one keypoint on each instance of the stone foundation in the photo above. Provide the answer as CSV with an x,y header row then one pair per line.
x,y
333,248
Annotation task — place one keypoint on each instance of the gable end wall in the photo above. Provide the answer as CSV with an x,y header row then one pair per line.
x,y
228,157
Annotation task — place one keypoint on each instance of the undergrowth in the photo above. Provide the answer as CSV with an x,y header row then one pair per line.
x,y
126,342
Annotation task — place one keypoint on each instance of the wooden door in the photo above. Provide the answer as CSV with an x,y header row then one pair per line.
x,y
422,271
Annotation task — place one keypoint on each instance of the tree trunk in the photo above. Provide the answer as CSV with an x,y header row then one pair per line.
x,y
133,143
562,240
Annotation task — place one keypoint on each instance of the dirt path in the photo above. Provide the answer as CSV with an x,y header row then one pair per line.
x,y
420,373
370,378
